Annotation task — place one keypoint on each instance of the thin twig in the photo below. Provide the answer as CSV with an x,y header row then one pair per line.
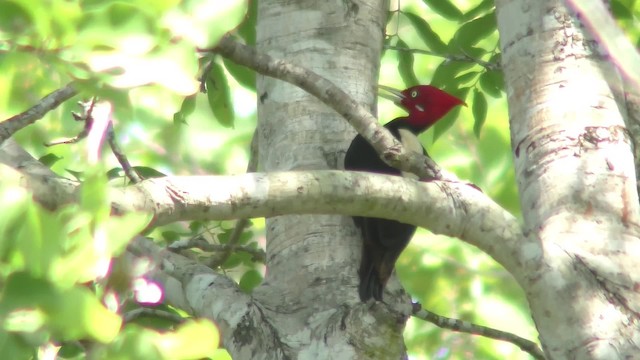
x,y
464,57
467,327
202,244
129,171
11,125
86,117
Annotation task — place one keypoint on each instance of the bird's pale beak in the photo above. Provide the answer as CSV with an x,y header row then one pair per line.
x,y
390,93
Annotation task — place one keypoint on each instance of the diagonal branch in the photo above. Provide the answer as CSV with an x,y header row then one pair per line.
x,y
202,292
11,125
390,149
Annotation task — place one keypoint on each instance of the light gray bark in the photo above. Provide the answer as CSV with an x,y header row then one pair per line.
x,y
303,295
576,178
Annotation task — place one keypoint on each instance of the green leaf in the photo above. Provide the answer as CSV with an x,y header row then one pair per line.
x,y
14,19
134,342
93,194
195,339
405,65
209,21
475,30
170,236
71,314
483,7
41,238
445,8
12,346
16,206
114,173
248,27
219,96
196,226
492,82
245,76
250,280
186,109
446,73
77,314
49,159
463,79
620,10
232,261
428,36
148,172
78,175
479,110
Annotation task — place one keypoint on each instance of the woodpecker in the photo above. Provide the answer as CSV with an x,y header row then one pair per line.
x,y
383,240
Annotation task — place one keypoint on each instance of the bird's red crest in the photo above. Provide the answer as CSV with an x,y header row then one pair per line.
x,y
427,104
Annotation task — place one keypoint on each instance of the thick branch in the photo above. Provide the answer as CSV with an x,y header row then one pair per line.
x,y
189,285
386,145
447,208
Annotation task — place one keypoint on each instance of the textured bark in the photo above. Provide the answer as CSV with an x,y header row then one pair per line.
x,y
577,183
303,295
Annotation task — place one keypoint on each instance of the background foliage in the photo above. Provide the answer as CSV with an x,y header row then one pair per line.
x,y
145,57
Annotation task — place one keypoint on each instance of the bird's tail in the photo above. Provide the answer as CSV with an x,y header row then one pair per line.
x,y
370,284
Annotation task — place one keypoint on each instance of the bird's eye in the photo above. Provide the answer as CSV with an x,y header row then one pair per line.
x,y
414,93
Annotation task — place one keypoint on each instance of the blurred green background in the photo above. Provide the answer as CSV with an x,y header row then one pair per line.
x,y
141,56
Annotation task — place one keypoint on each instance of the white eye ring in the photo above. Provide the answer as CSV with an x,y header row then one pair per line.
x,y
414,93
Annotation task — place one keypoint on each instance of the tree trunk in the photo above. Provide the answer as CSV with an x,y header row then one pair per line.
x,y
577,183
303,295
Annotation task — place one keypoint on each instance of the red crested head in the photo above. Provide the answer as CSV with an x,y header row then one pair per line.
x,y
426,104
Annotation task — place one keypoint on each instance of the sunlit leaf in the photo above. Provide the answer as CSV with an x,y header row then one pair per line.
x,y
194,339
463,79
445,8
448,71
203,23
483,7
428,36
134,342
77,314
475,30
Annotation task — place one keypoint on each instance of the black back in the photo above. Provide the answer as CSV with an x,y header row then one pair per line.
x,y
383,239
